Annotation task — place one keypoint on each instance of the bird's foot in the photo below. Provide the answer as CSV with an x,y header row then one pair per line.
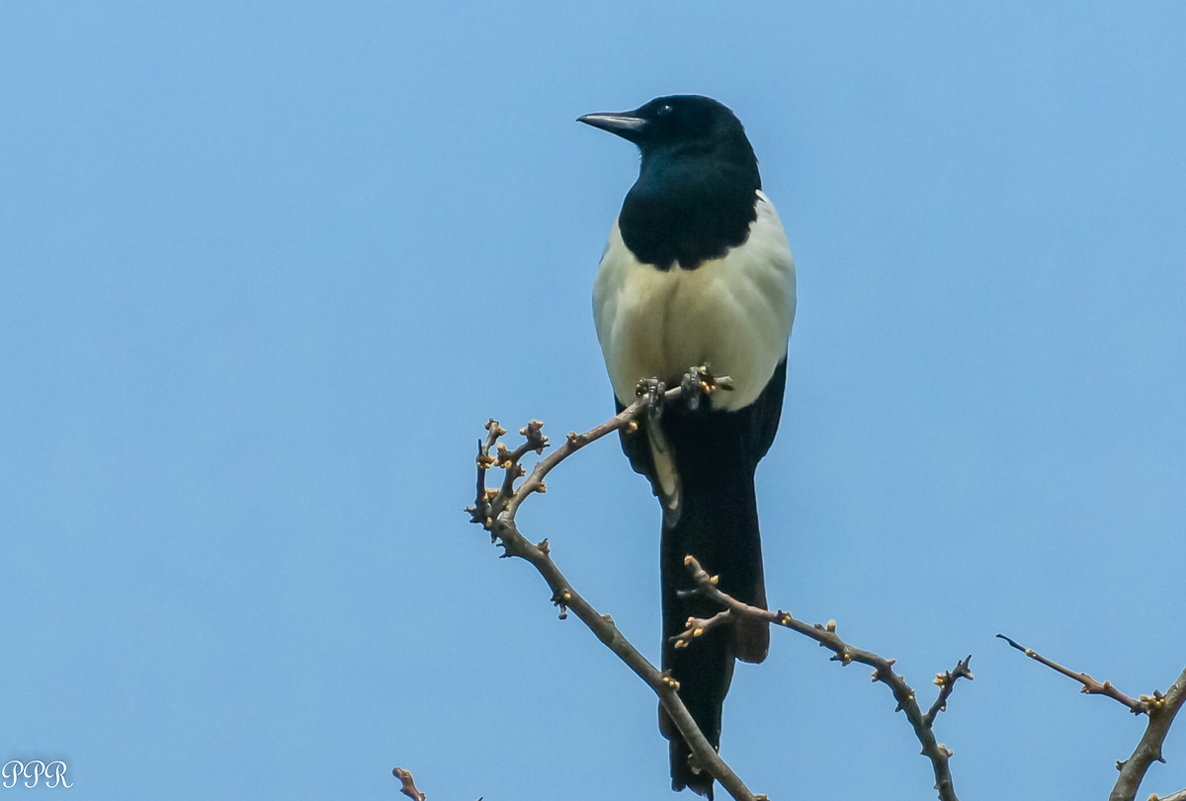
x,y
699,382
652,389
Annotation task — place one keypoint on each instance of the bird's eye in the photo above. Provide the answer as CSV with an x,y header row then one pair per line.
x,y
664,110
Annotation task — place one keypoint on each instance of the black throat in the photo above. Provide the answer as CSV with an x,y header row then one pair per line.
x,y
692,202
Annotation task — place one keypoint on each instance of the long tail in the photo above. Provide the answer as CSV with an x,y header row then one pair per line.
x,y
717,522
701,466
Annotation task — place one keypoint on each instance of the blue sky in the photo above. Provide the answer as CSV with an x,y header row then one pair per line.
x,y
266,269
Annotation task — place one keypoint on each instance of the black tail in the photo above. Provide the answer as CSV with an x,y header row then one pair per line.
x,y
718,524
710,512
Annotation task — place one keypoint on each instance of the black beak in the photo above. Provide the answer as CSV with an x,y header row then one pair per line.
x,y
627,125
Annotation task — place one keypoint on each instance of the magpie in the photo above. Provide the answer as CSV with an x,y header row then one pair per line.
x,y
698,272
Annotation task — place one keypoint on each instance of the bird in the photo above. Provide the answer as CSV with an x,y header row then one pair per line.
x,y
698,272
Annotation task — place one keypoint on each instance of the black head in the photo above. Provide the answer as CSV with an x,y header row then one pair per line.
x,y
675,121
697,186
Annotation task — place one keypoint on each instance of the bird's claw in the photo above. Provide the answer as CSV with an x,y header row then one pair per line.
x,y
697,383
652,389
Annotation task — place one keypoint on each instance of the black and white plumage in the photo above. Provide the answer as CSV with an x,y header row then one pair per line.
x,y
698,271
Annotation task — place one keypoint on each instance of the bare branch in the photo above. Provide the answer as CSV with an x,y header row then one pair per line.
x,y
1161,710
495,510
1090,685
946,683
696,626
844,653
409,784
1178,796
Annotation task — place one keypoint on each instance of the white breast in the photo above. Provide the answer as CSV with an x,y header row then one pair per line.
x,y
732,314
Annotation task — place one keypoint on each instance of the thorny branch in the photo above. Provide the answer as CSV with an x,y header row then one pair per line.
x,y
842,652
495,509
1160,709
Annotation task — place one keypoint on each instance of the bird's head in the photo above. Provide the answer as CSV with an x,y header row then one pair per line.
x,y
675,122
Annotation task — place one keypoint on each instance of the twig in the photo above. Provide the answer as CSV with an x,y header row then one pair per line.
x,y
495,509
946,683
409,784
1090,685
695,627
1178,796
1161,710
883,671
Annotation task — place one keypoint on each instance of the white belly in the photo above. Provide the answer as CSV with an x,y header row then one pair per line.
x,y
732,314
